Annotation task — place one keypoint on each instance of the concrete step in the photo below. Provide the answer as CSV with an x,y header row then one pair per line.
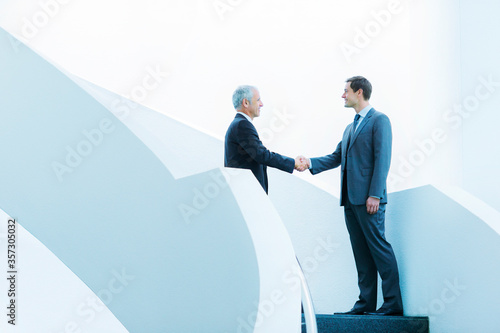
x,y
370,324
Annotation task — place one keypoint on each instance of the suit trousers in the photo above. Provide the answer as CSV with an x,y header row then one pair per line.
x,y
372,254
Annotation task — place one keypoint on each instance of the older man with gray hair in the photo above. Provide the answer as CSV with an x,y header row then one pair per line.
x,y
243,148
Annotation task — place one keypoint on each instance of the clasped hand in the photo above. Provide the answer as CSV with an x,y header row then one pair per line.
x,y
302,163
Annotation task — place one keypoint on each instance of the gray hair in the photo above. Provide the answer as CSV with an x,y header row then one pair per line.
x,y
242,92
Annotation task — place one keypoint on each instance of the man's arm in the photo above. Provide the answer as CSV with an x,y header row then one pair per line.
x,y
331,161
382,143
250,142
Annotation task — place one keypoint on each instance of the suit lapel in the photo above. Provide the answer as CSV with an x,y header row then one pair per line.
x,y
361,126
345,139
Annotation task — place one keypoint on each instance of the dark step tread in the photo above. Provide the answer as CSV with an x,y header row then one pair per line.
x,y
370,324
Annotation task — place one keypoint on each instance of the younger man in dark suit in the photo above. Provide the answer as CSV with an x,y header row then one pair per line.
x,y
364,155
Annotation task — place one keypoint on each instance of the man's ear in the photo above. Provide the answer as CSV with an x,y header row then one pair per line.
x,y
245,102
360,93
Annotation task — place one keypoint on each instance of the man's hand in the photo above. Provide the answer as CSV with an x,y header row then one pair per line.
x,y
372,205
301,163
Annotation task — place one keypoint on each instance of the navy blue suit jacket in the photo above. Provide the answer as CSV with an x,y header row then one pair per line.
x,y
368,159
243,149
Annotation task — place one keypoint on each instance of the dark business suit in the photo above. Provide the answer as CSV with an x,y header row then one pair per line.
x,y
365,160
243,149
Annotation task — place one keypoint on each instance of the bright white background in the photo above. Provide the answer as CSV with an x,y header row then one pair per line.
x,y
298,53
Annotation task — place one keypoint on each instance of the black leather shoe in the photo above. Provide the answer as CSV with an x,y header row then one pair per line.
x,y
352,312
385,312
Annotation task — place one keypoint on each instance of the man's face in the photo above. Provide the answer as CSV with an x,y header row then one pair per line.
x,y
255,105
350,97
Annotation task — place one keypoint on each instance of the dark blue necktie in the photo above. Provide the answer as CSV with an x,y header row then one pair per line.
x,y
353,129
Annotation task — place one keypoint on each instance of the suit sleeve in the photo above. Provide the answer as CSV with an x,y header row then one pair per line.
x,y
250,142
382,146
331,161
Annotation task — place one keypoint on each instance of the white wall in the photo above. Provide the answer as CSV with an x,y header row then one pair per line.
x,y
297,52
478,51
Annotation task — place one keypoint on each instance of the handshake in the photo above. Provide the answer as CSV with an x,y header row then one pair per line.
x,y
302,163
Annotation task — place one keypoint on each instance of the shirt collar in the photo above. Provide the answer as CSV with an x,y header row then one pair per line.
x,y
245,115
364,112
